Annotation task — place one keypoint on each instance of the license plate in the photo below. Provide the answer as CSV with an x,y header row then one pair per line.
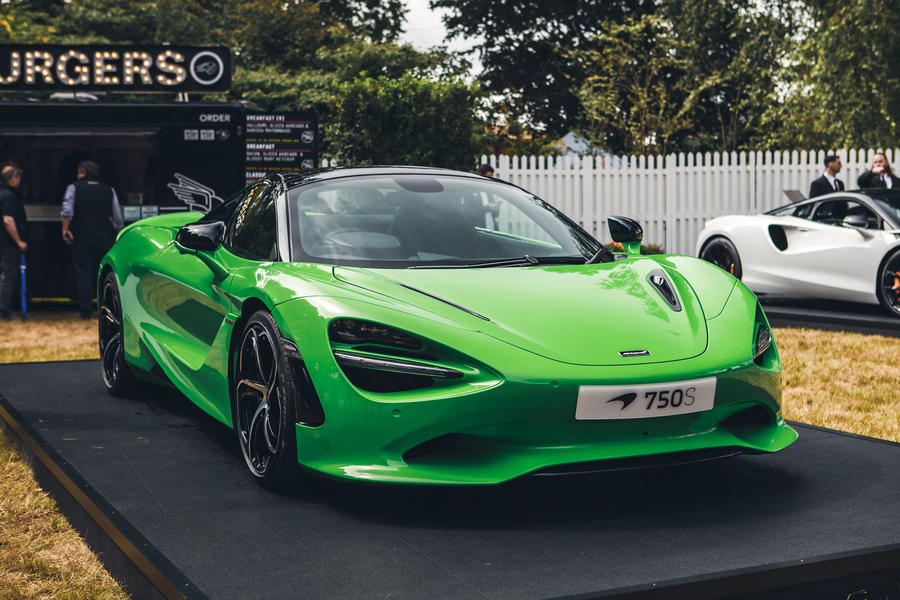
x,y
645,401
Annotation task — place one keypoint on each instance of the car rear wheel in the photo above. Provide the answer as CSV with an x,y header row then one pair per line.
x,y
117,376
889,283
263,405
722,253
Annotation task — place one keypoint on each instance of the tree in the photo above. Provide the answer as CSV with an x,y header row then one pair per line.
x,y
526,50
731,55
843,87
406,121
21,22
696,75
636,100
377,20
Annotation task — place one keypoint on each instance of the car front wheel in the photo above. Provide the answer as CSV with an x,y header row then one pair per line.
x,y
263,405
117,377
889,283
722,253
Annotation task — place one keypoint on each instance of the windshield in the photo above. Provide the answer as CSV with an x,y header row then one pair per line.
x,y
420,220
889,202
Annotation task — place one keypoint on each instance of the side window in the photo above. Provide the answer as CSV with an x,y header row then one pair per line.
x,y
802,211
251,232
223,211
831,212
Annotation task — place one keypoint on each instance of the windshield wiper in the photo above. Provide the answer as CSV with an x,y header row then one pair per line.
x,y
602,255
524,261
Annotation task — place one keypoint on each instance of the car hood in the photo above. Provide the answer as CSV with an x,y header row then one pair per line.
x,y
579,314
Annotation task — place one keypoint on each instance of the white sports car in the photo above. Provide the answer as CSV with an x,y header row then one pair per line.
x,y
841,246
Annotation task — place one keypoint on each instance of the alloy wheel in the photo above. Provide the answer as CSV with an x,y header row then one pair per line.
x,y
110,329
721,253
258,399
890,284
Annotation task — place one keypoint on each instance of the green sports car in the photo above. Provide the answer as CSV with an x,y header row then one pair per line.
x,y
402,324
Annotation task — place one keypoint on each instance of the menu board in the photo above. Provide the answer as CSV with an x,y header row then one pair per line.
x,y
284,142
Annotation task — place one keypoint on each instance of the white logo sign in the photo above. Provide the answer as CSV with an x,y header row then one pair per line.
x,y
206,68
194,194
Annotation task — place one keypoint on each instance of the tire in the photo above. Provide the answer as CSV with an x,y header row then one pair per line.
x,y
722,253
117,375
888,284
263,404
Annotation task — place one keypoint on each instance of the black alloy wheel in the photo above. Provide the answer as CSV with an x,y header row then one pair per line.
x,y
117,376
722,253
889,283
263,409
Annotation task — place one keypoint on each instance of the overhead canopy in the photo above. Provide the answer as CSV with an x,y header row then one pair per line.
x,y
76,130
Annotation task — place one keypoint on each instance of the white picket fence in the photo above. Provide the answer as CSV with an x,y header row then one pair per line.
x,y
672,196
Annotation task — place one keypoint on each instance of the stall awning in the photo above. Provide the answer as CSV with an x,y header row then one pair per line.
x,y
76,130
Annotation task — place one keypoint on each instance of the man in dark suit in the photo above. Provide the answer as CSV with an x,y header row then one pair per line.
x,y
828,182
881,175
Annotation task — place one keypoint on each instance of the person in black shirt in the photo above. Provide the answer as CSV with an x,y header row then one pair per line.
x,y
828,182
90,218
881,175
12,235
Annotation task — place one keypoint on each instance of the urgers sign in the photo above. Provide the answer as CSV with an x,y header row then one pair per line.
x,y
127,69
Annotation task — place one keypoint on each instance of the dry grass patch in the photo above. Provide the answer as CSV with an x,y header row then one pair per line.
x,y
41,556
48,336
845,381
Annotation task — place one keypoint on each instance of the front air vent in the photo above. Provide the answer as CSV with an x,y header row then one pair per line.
x,y
665,288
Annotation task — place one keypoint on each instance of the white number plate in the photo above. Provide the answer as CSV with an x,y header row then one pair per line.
x,y
644,401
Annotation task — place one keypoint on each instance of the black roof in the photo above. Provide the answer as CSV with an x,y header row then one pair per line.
x,y
293,180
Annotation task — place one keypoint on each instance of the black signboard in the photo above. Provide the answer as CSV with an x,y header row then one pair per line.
x,y
114,68
286,142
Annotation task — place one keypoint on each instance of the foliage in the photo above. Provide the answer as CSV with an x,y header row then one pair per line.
x,y
843,86
617,248
21,22
378,20
406,121
505,134
731,54
695,76
525,48
637,98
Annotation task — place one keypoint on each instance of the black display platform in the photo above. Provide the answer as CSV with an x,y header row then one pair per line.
x,y
177,502
830,315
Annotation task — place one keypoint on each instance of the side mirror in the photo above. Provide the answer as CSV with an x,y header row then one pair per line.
x,y
627,232
201,236
858,221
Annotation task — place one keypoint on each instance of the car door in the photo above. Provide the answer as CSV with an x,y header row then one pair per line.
x,y
829,258
187,304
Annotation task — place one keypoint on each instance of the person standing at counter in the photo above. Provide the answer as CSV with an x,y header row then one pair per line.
x,y
90,217
12,235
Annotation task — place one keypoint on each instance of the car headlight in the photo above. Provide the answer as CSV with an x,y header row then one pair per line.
x,y
354,331
763,340
764,353
383,359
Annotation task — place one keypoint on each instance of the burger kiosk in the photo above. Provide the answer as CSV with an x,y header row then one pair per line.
x,y
159,157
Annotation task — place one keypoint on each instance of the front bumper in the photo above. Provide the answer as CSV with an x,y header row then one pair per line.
x,y
522,419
